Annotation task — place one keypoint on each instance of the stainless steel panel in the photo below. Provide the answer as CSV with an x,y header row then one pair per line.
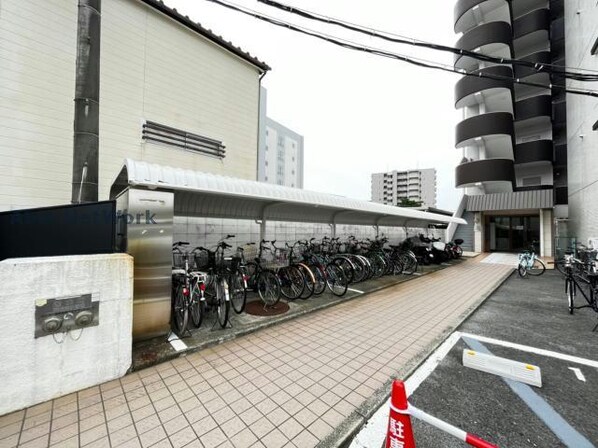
x,y
148,217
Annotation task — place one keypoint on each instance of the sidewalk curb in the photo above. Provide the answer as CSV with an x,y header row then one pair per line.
x,y
343,435
283,318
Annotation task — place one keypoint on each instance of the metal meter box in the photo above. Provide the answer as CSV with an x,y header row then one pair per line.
x,y
63,314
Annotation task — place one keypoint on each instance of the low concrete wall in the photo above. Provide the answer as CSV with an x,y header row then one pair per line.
x,y
35,370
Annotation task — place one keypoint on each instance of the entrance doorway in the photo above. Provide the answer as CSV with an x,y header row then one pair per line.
x,y
511,233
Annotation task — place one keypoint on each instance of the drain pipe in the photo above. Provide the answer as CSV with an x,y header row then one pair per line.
x,y
87,104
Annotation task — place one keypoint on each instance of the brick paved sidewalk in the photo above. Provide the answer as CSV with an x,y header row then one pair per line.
x,y
287,385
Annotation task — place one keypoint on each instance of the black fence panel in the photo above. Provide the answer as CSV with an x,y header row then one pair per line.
x,y
79,229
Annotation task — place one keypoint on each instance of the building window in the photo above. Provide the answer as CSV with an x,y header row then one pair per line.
x,y
266,178
159,133
293,185
280,141
266,163
293,158
266,147
267,133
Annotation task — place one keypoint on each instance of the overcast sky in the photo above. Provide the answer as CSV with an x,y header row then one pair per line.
x,y
359,113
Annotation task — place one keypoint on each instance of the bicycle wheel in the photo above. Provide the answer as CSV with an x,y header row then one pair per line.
x,y
458,251
570,290
522,270
237,291
222,302
560,265
538,267
336,280
409,264
310,281
320,277
347,266
292,282
268,287
397,266
197,307
360,272
378,265
180,310
251,269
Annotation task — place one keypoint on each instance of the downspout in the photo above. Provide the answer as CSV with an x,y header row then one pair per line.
x,y
260,125
87,104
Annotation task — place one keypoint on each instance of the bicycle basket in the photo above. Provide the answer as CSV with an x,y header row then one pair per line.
x,y
205,259
249,252
178,260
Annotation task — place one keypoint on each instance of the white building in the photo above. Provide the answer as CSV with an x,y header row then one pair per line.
x,y
170,92
417,185
280,158
581,40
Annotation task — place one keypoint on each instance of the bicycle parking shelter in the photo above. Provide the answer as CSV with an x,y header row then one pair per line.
x,y
149,196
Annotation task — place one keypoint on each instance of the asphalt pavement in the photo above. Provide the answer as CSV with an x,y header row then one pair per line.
x,y
563,412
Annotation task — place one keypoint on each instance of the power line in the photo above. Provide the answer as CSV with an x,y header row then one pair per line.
x,y
554,69
378,52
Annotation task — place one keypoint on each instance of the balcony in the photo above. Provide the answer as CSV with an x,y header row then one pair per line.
x,y
536,107
494,130
536,151
495,174
496,94
540,58
467,12
531,32
493,39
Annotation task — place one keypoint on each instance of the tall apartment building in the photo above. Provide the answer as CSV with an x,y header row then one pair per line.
x,y
418,185
581,41
513,137
169,92
280,157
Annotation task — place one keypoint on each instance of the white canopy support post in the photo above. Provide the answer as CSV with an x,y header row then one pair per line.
x,y
264,221
332,230
262,229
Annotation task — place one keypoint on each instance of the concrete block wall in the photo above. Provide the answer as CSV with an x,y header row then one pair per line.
x,y
36,370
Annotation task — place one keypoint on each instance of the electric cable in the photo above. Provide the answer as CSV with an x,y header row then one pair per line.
x,y
378,52
540,68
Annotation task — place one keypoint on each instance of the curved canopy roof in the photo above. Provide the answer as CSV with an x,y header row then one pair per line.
x,y
211,195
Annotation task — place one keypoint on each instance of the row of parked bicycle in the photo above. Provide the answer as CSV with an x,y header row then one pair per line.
x,y
210,280
579,265
580,268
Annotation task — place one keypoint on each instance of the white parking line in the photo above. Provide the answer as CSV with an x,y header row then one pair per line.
x,y
537,351
373,433
355,290
578,374
176,343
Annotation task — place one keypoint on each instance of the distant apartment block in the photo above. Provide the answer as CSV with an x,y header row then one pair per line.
x,y
417,185
280,157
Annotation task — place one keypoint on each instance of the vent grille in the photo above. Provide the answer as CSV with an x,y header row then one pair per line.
x,y
159,133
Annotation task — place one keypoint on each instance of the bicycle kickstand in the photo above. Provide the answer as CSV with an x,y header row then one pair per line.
x,y
229,324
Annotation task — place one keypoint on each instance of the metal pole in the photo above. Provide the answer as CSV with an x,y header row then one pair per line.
x,y
87,103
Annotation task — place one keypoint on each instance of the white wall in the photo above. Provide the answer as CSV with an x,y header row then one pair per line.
x,y
38,41
152,68
208,231
37,370
581,31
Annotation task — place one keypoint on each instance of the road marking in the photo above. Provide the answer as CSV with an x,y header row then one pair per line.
x,y
355,290
424,371
578,374
417,274
537,351
552,419
176,343
373,432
